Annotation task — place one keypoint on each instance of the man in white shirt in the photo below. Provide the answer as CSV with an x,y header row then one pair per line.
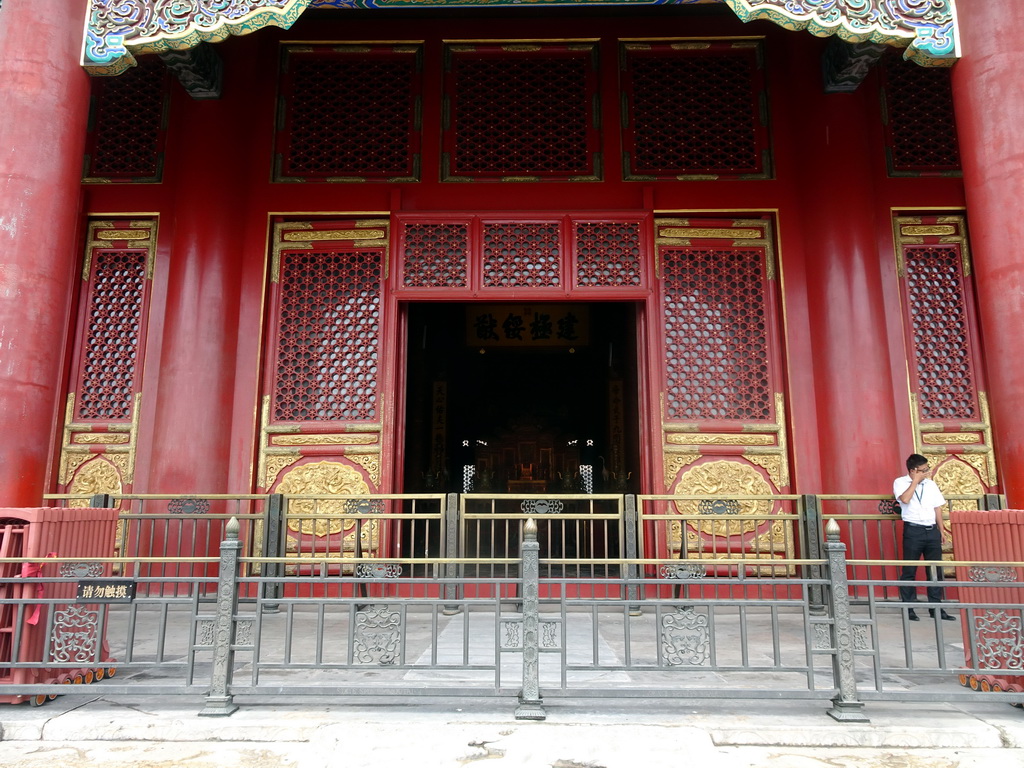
x,y
921,504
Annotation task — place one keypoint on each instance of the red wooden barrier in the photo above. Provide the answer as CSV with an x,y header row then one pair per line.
x,y
998,637
76,633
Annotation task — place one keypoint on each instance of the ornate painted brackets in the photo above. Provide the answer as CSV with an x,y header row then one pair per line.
x,y
116,30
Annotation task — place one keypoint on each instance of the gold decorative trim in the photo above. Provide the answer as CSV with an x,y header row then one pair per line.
x,y
771,463
780,419
273,465
314,235
926,230
370,462
979,462
949,438
346,439
714,234
100,438
987,432
678,438
123,234
674,463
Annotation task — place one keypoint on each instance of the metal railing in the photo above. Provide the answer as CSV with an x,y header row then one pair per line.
x,y
529,619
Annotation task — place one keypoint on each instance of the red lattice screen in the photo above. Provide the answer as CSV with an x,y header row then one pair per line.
x,y
127,134
516,112
112,330
350,112
328,336
920,126
939,320
694,109
608,254
716,334
522,254
435,255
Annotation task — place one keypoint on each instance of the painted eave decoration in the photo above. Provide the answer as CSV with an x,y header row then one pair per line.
x,y
117,30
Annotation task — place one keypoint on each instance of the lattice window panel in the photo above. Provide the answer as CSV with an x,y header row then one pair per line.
x,y
350,112
328,336
694,110
113,335
521,255
920,125
716,334
940,325
127,126
608,254
521,113
435,255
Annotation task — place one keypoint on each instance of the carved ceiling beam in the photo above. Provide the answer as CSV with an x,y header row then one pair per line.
x,y
118,30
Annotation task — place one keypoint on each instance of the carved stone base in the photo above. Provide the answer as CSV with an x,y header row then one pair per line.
x,y
218,706
531,710
848,712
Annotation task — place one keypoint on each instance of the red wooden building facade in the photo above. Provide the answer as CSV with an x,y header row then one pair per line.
x,y
656,241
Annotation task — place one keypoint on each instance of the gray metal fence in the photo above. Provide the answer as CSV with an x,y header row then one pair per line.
x,y
528,619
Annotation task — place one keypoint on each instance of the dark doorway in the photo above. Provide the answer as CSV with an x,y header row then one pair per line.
x,y
506,398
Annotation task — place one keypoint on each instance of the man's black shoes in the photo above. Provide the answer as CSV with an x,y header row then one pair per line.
x,y
942,614
912,616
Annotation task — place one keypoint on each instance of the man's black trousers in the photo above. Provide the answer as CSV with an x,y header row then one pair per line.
x,y
918,542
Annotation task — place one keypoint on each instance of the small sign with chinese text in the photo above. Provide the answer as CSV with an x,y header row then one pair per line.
x,y
106,591
527,325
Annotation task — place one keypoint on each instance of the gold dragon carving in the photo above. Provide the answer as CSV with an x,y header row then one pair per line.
x,y
93,477
325,479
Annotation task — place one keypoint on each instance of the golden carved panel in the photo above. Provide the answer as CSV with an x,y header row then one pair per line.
x,y
715,234
101,438
272,466
342,439
979,462
925,230
950,438
728,479
370,462
772,463
674,462
677,438
956,478
322,478
122,234
69,464
314,235
95,476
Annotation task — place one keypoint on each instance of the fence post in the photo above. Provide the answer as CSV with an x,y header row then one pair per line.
x,y
219,701
630,522
530,701
813,551
274,589
450,548
994,501
846,707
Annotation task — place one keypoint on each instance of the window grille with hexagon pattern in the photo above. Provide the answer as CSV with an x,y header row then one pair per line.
x,y
694,109
127,130
940,317
327,338
349,112
716,323
521,112
920,126
109,352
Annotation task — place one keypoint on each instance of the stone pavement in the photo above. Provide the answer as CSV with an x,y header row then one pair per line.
x,y
321,732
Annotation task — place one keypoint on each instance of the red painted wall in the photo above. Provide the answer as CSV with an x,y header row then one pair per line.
x,y
849,411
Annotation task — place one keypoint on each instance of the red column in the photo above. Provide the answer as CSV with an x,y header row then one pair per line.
x,y
45,98
989,106
189,450
849,355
